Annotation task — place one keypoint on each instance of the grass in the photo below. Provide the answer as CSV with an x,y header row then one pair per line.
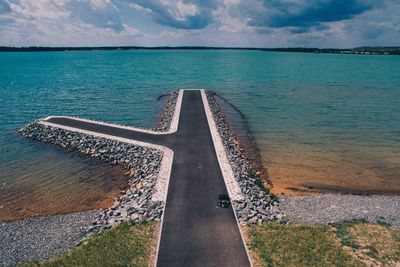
x,y
350,243
129,244
342,232
298,245
375,244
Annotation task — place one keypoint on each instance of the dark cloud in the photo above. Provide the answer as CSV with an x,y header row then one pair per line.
x,y
308,13
165,16
4,7
299,30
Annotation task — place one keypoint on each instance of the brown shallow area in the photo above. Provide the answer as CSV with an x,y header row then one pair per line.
x,y
58,183
299,169
302,172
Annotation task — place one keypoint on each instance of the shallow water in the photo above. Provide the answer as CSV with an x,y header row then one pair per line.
x,y
47,180
319,119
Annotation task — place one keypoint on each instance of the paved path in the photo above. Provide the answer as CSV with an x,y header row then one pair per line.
x,y
194,232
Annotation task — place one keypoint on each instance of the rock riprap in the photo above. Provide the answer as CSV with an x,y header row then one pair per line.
x,y
168,113
142,164
52,235
258,205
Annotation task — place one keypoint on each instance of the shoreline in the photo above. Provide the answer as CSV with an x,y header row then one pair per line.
x,y
142,165
290,178
319,208
256,206
93,185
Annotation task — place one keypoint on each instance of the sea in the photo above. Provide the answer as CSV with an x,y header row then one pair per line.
x,y
327,122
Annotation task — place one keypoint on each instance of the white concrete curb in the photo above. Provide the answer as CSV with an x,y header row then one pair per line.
x,y
231,184
172,129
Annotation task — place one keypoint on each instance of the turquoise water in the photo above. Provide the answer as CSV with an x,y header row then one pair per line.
x,y
313,112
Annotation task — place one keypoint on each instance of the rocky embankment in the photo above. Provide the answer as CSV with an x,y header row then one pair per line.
x,y
45,236
142,165
167,115
258,205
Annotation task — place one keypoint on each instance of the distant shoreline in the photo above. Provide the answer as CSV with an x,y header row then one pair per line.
x,y
366,50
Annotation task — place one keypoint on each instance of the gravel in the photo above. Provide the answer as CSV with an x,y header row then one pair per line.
x,y
41,237
332,208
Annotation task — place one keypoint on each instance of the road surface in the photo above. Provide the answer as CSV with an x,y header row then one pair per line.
x,y
195,232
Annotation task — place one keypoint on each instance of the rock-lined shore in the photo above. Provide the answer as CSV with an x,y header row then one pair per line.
x,y
167,115
20,242
142,165
258,205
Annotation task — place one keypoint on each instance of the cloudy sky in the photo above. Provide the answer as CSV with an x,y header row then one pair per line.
x,y
255,23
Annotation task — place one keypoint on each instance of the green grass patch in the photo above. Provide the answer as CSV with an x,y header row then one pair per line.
x,y
373,244
342,232
298,245
129,244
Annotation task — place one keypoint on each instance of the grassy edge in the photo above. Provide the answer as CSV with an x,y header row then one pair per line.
x,y
374,244
354,238
118,245
255,259
301,258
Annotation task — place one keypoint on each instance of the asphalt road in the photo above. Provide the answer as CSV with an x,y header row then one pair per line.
x,y
195,232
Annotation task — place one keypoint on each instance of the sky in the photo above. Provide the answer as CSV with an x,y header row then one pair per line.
x,y
233,23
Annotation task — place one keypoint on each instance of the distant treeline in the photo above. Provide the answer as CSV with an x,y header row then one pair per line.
x,y
393,50
367,50
42,48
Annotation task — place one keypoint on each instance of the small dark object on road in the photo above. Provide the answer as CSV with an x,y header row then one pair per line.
x,y
223,201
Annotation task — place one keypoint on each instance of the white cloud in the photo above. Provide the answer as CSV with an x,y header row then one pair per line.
x,y
56,22
187,22
228,22
188,9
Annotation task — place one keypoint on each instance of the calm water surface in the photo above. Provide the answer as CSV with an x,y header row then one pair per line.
x,y
317,118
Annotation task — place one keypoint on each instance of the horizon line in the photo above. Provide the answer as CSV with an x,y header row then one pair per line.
x,y
369,50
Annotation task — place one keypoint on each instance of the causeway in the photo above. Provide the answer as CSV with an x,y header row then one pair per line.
x,y
195,232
